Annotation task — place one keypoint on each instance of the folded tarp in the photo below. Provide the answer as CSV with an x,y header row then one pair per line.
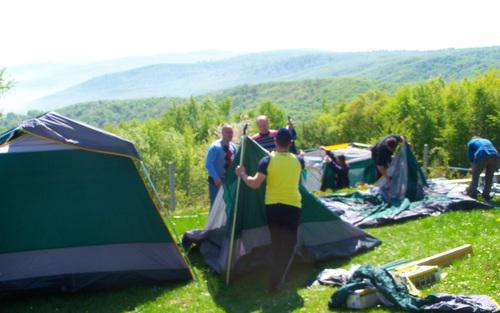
x,y
368,276
368,209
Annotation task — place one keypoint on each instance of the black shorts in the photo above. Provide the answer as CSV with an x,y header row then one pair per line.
x,y
283,215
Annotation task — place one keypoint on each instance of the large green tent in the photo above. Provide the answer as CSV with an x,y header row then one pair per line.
x,y
322,234
75,212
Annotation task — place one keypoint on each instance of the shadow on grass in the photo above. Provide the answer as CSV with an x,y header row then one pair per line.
x,y
111,300
247,292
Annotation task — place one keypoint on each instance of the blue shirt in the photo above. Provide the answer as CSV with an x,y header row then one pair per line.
x,y
480,147
216,159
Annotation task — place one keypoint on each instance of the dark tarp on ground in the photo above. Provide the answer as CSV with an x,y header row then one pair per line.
x,y
369,209
368,276
406,195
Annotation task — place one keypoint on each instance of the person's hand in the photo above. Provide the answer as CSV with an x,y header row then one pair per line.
x,y
240,170
217,183
322,148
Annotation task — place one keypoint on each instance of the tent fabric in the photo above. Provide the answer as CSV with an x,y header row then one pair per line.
x,y
74,219
406,195
368,209
368,276
322,177
61,129
407,181
321,234
30,143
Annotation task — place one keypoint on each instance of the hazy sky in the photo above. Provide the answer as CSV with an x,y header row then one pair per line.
x,y
86,30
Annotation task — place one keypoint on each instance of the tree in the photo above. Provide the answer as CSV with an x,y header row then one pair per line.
x,y
4,84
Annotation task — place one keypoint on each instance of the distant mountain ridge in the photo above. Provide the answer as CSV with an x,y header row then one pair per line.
x,y
33,81
301,99
182,80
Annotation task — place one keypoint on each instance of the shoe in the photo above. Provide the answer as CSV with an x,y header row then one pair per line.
x,y
472,195
487,198
273,287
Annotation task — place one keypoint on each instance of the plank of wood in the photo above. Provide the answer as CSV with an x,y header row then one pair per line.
x,y
442,258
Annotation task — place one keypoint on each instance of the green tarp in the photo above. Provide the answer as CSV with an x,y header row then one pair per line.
x,y
368,276
321,235
360,171
368,210
406,195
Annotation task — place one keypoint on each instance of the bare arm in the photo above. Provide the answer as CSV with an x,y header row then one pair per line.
x,y
382,170
253,182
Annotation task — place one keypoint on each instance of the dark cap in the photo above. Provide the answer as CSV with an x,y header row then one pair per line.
x,y
284,135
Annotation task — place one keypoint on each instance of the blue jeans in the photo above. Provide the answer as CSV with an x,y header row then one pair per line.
x,y
212,192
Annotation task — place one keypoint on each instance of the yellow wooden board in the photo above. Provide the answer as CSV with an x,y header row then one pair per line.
x,y
338,146
442,258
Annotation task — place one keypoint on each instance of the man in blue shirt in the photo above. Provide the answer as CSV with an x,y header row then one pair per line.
x,y
482,156
220,155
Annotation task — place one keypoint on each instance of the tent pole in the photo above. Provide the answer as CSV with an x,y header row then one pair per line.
x,y
290,261
231,239
171,225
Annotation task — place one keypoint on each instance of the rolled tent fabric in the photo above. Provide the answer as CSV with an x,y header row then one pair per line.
x,y
368,276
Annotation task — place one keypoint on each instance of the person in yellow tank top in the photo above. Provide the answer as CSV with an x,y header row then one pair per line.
x,y
281,170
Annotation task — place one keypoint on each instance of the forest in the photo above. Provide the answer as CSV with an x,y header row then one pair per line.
x,y
443,115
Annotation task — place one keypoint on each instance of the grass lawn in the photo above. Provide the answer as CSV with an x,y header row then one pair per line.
x,y
478,274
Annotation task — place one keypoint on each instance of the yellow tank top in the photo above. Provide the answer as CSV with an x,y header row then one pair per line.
x,y
283,178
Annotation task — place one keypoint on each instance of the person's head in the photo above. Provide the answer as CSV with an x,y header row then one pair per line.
x,y
283,138
263,124
341,159
227,132
391,144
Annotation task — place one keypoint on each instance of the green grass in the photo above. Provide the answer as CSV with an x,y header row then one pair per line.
x,y
478,274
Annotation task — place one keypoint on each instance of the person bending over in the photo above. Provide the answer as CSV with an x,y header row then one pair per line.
x,y
482,156
382,153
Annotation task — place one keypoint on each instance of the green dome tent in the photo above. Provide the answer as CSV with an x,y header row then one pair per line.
x,y
75,213
321,177
242,228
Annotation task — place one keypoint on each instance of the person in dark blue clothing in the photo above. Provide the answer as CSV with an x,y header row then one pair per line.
x,y
340,167
482,156
382,153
